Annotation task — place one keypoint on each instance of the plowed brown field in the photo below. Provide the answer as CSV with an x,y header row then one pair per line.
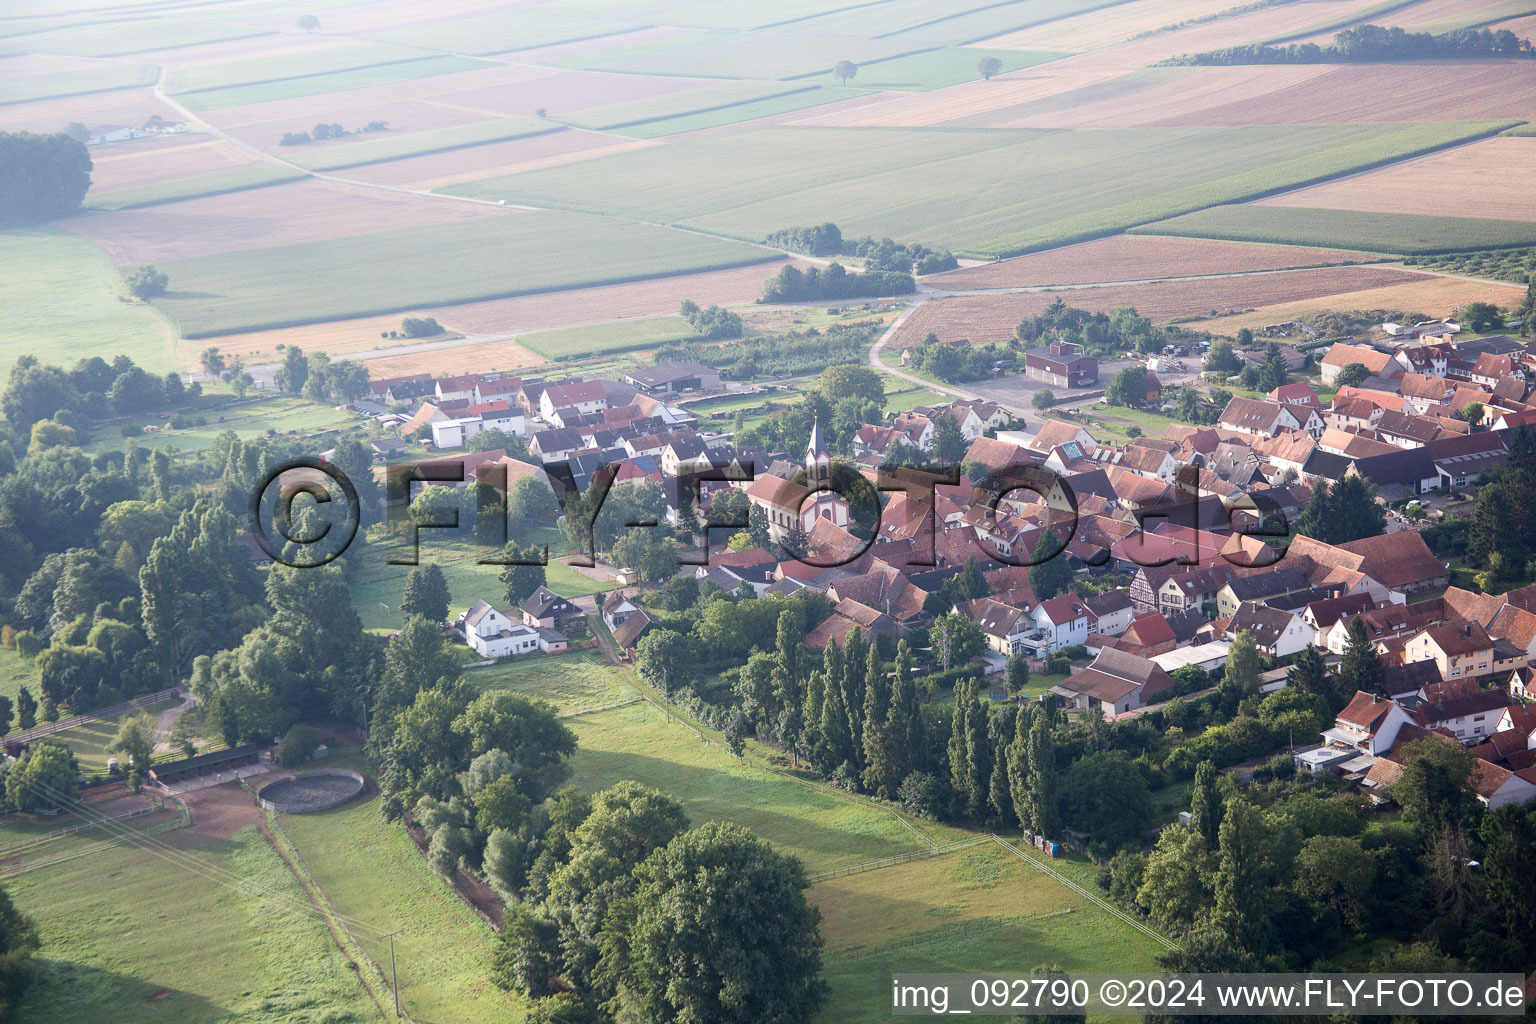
x,y
1105,26
482,356
991,318
1136,258
1437,296
1492,178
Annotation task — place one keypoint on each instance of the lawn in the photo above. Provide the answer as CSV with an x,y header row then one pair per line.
x,y
574,682
14,674
89,742
377,147
408,268
65,301
614,336
979,909
131,937
76,83
1006,192
211,183
1382,232
335,81
247,419
116,38
950,65
372,874
1152,424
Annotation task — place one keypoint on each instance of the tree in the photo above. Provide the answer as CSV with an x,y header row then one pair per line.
x,y
1016,674
146,282
18,943
1509,868
46,177
1039,811
845,71
1128,388
956,639
308,22
135,739
1273,374
718,929
1106,795
847,380
1052,572
26,708
1360,668
948,442
1335,872
1481,316
43,778
1242,673
1353,511
1205,805
426,593
290,377
1223,358
212,361
663,658
1042,400
298,746
989,66
1471,413
1352,375
1434,789
1243,873
521,580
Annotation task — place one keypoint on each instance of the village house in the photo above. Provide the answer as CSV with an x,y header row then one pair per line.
x,y
584,396
1061,365
1115,682
491,634
545,608
1458,648
1063,621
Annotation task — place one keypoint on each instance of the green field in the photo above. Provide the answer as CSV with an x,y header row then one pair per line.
x,y
522,28
921,23
63,289
372,874
1521,131
1380,232
615,336
14,674
375,148
677,104
289,65
138,939
336,81
89,742
409,268
980,909
951,65
1513,265
211,183
759,55
1005,192
740,112
575,683
119,38
248,419
76,83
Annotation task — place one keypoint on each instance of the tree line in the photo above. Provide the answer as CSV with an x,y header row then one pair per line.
x,y
816,284
1370,43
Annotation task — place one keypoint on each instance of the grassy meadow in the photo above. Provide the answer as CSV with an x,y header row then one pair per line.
x,y
950,65
248,419
410,268
193,186
102,78
64,289
123,37
303,64
1358,229
334,81
614,336
378,147
1006,192
799,100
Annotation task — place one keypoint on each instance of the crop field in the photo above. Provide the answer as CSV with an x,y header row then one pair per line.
x,y
390,146
310,210
615,336
610,302
371,873
164,159
989,318
562,94
919,24
99,78
101,319
521,28
120,106
1007,193
436,264
134,936
1107,25
676,104
300,64
120,38
739,55
950,65
778,108
337,338
1524,27
1300,17
531,152
1137,258
1512,265
1436,297
474,357
1379,232
197,186
336,81
978,909
1488,179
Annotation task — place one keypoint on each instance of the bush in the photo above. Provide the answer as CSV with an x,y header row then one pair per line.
x,y
298,746
130,430
922,794
420,326
146,282
293,139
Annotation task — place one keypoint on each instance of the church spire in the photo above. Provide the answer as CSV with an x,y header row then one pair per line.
x,y
816,446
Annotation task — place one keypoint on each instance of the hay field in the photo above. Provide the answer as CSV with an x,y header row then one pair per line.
x,y
949,65
611,302
433,264
338,338
530,153
1490,179
607,338
1107,26
991,318
1378,232
153,160
404,117
1437,296
674,104
1136,258
303,211
775,110
1005,192
197,186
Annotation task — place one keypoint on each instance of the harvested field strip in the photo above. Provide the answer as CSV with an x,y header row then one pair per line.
x,y
1437,296
1382,232
978,25
984,318
1327,29
760,55
1489,179
75,83
523,28
304,64
439,140
786,104
408,268
949,65
121,38
335,81
212,183
599,339
530,153
1107,25
693,101
1139,257
158,160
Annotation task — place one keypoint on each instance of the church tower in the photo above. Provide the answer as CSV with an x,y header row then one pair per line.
x,y
818,461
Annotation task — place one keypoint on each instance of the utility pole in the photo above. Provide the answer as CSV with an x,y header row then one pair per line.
x,y
394,981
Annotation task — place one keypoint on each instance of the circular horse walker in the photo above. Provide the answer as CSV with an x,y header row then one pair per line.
x,y
319,789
